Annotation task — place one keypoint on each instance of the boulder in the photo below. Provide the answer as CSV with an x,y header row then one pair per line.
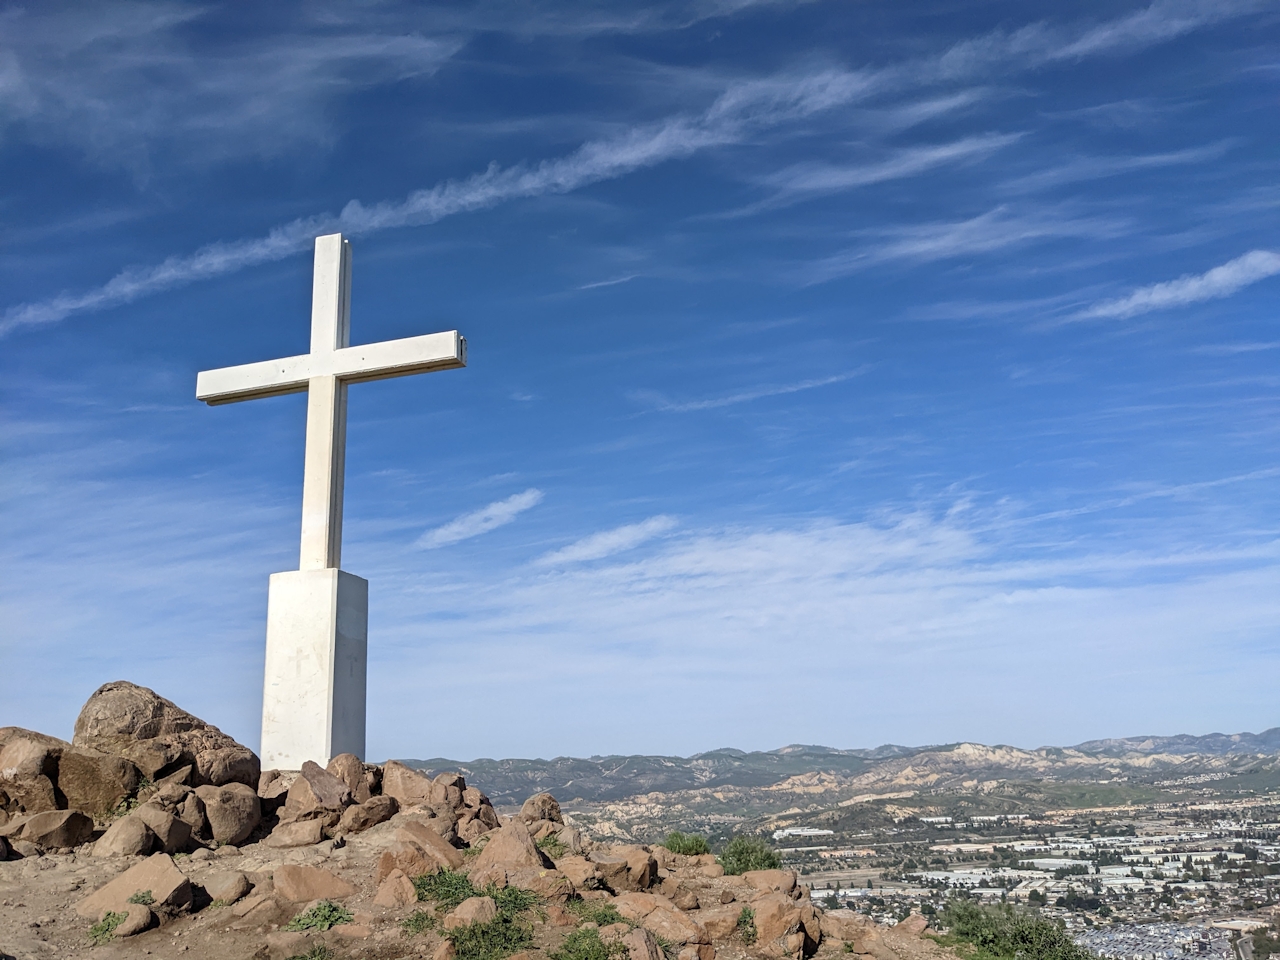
x,y
511,846
125,720
315,795
582,873
470,831
364,815
95,783
348,768
407,857
191,811
227,888
445,855
612,871
170,889
300,833
49,830
138,918
642,869
549,885
775,881
914,925
396,890
472,910
686,899
127,837
637,906
29,770
641,945
447,790
302,884
232,810
720,922
778,917
4,849
670,924
173,834
408,786
541,806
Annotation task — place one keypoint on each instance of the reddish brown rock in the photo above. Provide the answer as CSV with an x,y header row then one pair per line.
x,y
512,846
470,911
125,720
445,855
775,881
170,889
396,890
49,830
95,784
407,857
674,926
316,795
228,888
362,816
447,790
299,833
348,768
582,873
127,837
302,884
172,834
641,945
232,811
541,806
408,786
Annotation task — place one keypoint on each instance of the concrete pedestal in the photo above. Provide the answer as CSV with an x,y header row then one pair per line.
x,y
313,696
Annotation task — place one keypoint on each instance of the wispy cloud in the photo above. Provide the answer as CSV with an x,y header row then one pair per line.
x,y
658,401
994,230
122,82
497,514
608,542
1221,281
608,283
742,111
1095,168
1232,349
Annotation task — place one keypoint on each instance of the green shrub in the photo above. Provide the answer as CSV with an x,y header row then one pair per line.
x,y
143,897
510,900
318,952
418,922
686,844
102,931
748,853
490,941
446,888
586,945
747,926
322,916
600,912
1002,931
552,847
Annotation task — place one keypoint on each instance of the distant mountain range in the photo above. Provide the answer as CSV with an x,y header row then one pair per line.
x,y
606,779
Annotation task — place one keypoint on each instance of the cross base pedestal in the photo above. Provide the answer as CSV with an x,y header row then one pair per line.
x,y
313,696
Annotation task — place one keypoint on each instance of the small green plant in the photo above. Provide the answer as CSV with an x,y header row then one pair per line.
x,y
217,904
848,946
322,916
420,921
143,897
494,940
552,847
102,931
510,900
669,949
747,926
446,888
748,853
318,952
585,944
600,912
686,844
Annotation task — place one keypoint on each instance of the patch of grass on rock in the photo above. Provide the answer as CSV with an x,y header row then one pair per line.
x,y
102,931
491,941
448,888
600,912
420,921
585,944
321,917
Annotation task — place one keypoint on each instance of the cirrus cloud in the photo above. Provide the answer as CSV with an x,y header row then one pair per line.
x,y
497,514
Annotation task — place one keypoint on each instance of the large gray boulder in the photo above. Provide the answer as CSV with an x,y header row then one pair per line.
x,y
125,720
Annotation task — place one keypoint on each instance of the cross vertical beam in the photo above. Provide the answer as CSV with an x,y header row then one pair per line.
x,y
326,455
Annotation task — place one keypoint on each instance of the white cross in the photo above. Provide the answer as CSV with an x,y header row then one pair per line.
x,y
324,374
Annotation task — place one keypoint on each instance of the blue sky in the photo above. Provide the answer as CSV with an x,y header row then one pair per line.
x,y
839,372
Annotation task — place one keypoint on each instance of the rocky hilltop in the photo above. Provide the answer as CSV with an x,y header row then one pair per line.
x,y
152,833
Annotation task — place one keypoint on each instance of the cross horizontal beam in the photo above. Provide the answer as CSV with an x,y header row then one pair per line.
x,y
374,361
